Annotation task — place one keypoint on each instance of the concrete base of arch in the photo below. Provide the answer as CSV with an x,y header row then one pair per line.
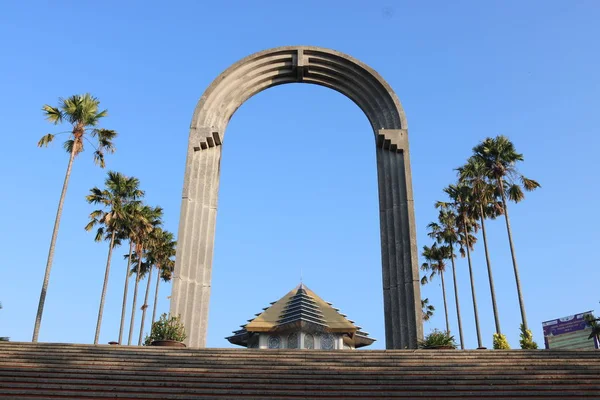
x,y
193,267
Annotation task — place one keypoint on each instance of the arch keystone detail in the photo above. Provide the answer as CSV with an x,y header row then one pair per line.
x,y
362,85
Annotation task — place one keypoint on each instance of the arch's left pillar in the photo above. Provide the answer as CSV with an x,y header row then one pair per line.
x,y
191,286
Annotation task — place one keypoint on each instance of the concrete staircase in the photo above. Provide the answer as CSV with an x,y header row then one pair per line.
x,y
69,371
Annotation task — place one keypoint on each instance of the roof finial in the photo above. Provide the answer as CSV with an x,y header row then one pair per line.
x,y
300,275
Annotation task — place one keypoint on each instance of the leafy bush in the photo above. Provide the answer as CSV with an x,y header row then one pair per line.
x,y
500,342
527,339
437,339
166,328
593,322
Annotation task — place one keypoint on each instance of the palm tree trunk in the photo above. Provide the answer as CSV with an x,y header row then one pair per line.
x,y
40,311
135,290
125,293
514,257
460,331
155,299
489,268
145,306
445,304
104,287
472,287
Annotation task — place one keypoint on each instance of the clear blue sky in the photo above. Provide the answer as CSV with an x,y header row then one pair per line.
x,y
298,184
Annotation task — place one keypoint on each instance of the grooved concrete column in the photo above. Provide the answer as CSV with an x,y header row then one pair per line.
x,y
193,265
401,286
364,86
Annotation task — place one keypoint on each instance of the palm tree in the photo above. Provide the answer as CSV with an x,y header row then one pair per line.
x,y
165,265
436,265
147,270
160,250
134,218
149,218
120,190
427,309
125,292
460,195
500,158
81,111
445,231
485,205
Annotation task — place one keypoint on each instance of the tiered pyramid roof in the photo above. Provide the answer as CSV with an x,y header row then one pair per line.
x,y
300,308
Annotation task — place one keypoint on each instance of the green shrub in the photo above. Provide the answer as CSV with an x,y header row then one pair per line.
x,y
166,328
437,339
500,342
593,323
527,339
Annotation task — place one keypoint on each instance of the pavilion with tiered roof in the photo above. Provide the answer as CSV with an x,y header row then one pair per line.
x,y
301,320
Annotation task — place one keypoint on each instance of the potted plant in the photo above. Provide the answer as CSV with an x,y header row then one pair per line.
x,y
167,331
438,340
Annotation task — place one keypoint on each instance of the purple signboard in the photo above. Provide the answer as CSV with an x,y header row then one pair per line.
x,y
570,332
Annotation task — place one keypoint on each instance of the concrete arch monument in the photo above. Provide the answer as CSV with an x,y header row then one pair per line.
x,y
364,86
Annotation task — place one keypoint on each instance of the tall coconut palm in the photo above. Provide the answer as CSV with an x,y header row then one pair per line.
x,y
165,265
436,265
134,218
125,292
138,268
148,270
427,309
500,158
160,250
82,113
485,205
120,190
151,218
445,232
460,201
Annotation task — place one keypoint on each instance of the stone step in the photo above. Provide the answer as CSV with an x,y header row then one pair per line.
x,y
338,362
379,376
307,374
26,346
220,381
307,369
439,391
316,354
199,361
304,356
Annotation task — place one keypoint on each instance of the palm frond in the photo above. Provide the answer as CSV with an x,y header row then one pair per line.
x,y
53,114
529,184
90,225
68,145
104,134
99,158
97,196
46,140
99,234
515,193
98,116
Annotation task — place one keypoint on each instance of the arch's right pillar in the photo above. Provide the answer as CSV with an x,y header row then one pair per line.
x,y
401,290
